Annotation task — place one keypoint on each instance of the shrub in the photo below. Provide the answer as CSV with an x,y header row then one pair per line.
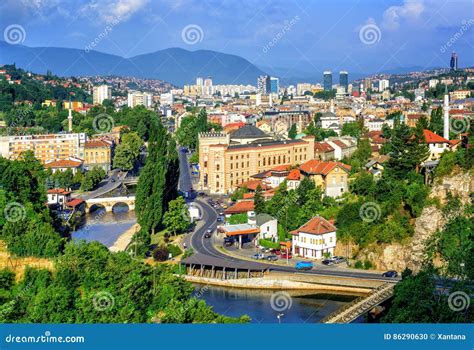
x,y
358,264
160,253
367,265
174,250
265,243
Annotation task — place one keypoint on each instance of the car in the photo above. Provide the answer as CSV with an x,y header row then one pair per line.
x,y
258,256
272,258
220,212
286,256
228,241
327,262
390,274
338,259
225,206
201,194
207,235
220,219
275,251
304,265
112,180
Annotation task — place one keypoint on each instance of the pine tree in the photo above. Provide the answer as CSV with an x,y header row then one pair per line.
x,y
259,201
292,132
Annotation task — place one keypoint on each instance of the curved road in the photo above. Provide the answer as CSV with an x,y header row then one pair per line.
x,y
203,246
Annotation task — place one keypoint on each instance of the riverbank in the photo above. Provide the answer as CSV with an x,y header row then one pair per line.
x,y
124,239
286,283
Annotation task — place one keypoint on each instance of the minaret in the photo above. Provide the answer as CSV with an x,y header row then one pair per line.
x,y
446,114
331,106
69,118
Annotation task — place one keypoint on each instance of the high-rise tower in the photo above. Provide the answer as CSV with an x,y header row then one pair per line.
x,y
454,61
327,80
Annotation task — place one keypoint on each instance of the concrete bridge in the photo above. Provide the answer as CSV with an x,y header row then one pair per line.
x,y
110,203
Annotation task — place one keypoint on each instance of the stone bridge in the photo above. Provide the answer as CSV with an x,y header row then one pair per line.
x,y
109,203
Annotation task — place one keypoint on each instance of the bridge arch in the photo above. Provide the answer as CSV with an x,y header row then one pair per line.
x,y
120,207
97,207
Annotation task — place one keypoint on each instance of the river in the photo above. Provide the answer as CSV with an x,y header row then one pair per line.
x,y
264,306
104,227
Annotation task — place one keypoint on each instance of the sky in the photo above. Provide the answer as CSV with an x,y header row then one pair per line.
x,y
300,37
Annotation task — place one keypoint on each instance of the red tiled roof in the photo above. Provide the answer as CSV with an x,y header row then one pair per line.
x,y
75,202
63,163
97,144
280,168
341,144
242,206
315,166
323,147
294,174
253,184
431,137
58,191
316,226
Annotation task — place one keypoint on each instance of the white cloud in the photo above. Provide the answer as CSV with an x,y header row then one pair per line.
x,y
410,10
110,11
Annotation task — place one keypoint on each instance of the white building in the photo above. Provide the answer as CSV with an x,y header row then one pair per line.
x,y
139,99
167,99
268,226
376,124
101,93
314,239
383,84
432,83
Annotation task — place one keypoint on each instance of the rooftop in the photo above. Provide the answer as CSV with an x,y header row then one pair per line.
x,y
315,166
247,132
316,226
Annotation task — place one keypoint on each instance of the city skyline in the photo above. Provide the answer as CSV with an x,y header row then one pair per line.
x,y
290,39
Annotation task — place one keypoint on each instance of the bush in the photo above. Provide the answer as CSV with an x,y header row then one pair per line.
x,y
367,265
265,243
160,253
174,250
358,264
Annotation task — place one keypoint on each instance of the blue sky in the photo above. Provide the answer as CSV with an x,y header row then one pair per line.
x,y
298,35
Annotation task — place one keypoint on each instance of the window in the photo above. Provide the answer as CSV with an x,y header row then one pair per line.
x,y
231,166
218,167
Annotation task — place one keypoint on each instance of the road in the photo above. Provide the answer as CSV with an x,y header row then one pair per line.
x,y
185,183
111,183
205,246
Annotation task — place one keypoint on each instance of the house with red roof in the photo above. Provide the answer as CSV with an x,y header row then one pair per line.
x,y
323,151
330,176
436,143
242,206
58,197
314,239
75,164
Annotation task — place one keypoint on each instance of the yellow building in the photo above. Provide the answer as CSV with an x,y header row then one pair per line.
x,y
225,161
45,147
98,153
73,105
330,176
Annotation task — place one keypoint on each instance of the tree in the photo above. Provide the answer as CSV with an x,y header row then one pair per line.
x,y
292,132
128,151
92,178
259,201
150,195
302,192
353,129
177,218
436,121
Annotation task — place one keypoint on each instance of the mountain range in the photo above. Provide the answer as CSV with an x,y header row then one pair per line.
x,y
174,65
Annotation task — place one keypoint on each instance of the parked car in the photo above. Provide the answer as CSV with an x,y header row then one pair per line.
x,y
228,241
275,251
208,234
304,265
338,259
390,274
258,256
220,219
286,256
327,262
272,258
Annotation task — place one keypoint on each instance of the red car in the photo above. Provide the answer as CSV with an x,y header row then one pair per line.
x,y
286,256
275,251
